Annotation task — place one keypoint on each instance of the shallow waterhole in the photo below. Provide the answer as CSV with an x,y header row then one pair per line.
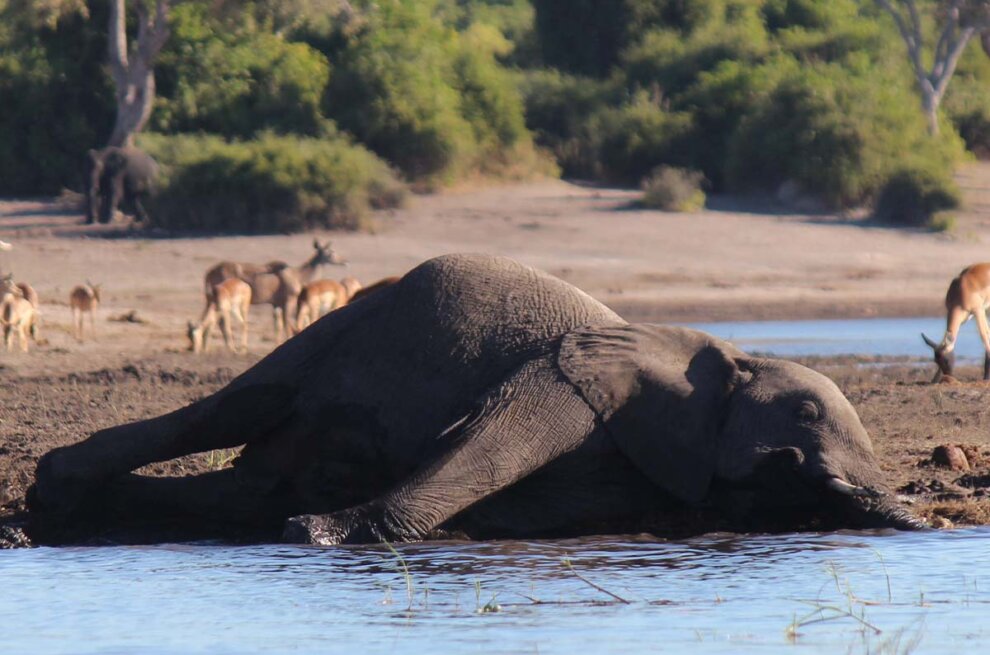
x,y
825,593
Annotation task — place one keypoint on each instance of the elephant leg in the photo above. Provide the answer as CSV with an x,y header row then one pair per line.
x,y
139,210
225,495
225,420
113,197
531,419
141,508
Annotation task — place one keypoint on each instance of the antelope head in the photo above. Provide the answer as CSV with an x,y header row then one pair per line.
x,y
95,288
325,254
945,356
195,334
7,285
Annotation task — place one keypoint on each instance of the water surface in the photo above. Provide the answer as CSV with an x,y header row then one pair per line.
x,y
716,594
863,336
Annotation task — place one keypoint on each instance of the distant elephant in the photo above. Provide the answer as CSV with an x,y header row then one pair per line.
x,y
118,175
483,396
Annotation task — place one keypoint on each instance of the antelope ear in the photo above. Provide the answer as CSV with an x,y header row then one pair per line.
x,y
661,393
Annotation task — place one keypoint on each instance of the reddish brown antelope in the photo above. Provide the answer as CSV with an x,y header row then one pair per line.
x,y
7,285
275,283
84,299
351,285
231,298
17,316
316,299
364,292
968,296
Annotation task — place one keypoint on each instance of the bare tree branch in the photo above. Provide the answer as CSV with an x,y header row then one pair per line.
x,y
955,35
133,68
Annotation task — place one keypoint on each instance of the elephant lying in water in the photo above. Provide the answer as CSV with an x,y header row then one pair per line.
x,y
480,395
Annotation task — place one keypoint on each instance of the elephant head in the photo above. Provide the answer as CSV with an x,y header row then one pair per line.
x,y
767,440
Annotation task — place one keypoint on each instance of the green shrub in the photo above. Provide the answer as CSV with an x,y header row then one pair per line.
x,y
627,141
557,108
837,133
272,184
673,189
55,100
430,100
233,79
915,196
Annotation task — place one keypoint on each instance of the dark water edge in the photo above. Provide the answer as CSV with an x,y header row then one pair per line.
x,y
713,594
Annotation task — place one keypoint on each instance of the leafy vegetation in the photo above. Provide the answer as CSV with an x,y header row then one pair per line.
x,y
673,189
268,184
753,94
915,197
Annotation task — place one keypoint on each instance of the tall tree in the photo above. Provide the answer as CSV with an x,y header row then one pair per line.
x,y
957,22
132,68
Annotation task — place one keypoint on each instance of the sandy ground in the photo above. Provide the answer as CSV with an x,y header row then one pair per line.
x,y
741,259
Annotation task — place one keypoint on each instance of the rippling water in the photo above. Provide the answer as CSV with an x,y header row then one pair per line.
x,y
716,594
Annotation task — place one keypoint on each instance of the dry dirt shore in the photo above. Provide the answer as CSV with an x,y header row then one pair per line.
x,y
738,261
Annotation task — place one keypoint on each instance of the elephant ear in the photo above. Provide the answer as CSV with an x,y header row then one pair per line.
x,y
661,393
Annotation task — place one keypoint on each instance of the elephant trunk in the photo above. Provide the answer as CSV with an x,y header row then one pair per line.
x,y
882,513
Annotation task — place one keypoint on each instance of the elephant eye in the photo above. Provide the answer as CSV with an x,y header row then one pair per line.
x,y
809,410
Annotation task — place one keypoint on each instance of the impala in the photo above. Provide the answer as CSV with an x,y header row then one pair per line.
x,y
84,299
275,283
7,285
17,315
231,298
968,296
317,298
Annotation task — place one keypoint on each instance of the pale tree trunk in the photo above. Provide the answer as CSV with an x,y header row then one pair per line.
x,y
133,68
957,30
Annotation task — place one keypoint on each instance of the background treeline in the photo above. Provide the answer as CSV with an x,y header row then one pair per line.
x,y
285,114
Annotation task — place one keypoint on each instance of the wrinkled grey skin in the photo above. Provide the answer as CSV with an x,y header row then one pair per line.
x,y
480,395
118,177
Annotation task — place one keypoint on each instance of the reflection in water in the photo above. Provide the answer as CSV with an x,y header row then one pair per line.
x,y
713,594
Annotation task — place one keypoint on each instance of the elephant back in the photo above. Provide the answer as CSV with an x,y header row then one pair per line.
x,y
405,362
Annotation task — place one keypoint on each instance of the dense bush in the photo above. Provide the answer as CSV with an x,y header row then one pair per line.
x,y
272,184
673,189
914,196
635,137
430,100
234,79
836,134
558,107
55,100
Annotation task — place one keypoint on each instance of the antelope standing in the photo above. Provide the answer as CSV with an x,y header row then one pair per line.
x,y
17,315
377,286
351,285
230,298
7,285
275,283
316,299
968,296
83,299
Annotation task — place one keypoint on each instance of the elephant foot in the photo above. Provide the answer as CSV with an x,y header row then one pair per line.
x,y
361,525
313,529
60,486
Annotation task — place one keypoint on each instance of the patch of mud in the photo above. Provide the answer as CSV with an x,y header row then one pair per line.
x,y
144,372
